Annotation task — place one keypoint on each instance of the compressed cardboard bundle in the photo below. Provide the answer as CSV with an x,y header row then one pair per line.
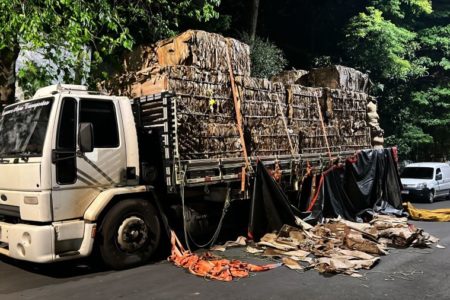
x,y
279,116
139,58
288,76
302,103
337,77
263,105
347,110
343,113
206,112
312,139
202,137
203,50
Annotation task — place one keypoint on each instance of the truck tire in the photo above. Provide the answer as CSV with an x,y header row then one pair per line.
x,y
431,196
129,234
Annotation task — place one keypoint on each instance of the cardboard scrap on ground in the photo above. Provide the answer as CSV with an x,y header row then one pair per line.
x,y
240,241
340,246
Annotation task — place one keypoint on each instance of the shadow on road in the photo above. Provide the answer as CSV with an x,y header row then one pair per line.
x,y
67,269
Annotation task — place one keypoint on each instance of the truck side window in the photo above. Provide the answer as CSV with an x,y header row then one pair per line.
x,y
102,115
438,174
66,170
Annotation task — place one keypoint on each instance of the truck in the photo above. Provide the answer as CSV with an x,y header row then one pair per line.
x,y
82,172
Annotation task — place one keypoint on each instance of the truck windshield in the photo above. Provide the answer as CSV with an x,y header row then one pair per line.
x,y
417,173
23,127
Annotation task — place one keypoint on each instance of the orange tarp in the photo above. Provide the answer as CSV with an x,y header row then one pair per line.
x,y
209,267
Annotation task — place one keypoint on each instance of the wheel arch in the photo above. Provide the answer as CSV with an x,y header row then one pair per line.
x,y
107,199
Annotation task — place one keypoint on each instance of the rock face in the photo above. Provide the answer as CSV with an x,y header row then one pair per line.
x,y
280,117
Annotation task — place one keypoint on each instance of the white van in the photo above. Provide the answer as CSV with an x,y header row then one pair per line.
x,y
426,181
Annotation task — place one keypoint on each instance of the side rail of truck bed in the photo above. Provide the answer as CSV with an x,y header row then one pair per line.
x,y
159,112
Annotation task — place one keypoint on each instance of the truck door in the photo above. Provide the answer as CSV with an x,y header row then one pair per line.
x,y
79,177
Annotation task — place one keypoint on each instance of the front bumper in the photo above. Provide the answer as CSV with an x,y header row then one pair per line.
x,y
415,194
43,243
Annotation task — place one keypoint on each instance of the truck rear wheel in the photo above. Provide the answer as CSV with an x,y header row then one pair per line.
x,y
129,234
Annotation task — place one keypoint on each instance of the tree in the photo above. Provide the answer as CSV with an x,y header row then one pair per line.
x,y
254,19
55,25
89,30
266,58
376,44
405,45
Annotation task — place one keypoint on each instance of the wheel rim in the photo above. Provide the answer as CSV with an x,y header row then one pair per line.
x,y
431,197
132,234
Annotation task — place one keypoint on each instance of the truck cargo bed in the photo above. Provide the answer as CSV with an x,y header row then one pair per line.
x,y
158,112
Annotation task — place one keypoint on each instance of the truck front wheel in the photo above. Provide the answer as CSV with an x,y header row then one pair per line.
x,y
129,234
431,196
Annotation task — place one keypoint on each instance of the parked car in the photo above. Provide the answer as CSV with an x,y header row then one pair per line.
x,y
426,181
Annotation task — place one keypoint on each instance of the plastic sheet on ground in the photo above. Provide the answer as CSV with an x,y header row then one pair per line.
x,y
437,215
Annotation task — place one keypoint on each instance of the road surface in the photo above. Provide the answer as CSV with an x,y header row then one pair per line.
x,y
404,274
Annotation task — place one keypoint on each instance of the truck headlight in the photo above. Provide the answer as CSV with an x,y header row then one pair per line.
x,y
421,186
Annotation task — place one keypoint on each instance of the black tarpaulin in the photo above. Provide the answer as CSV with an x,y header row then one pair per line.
x,y
368,182
270,208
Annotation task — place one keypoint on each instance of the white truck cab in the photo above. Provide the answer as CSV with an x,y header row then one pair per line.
x,y
56,178
426,180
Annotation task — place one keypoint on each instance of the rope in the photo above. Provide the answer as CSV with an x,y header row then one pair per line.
x,y
215,236
285,126
237,109
325,136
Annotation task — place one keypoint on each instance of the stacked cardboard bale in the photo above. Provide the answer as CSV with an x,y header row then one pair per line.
x,y
204,130
196,48
343,96
194,67
337,77
289,76
263,106
280,116
348,113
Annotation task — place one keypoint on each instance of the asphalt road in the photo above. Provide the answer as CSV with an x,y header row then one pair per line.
x,y
404,274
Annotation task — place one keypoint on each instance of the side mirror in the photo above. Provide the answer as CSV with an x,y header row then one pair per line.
x,y
439,176
86,137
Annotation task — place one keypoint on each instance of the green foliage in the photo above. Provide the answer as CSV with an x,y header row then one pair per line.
x,y
406,46
90,30
267,59
32,77
151,20
376,44
322,61
433,109
402,8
